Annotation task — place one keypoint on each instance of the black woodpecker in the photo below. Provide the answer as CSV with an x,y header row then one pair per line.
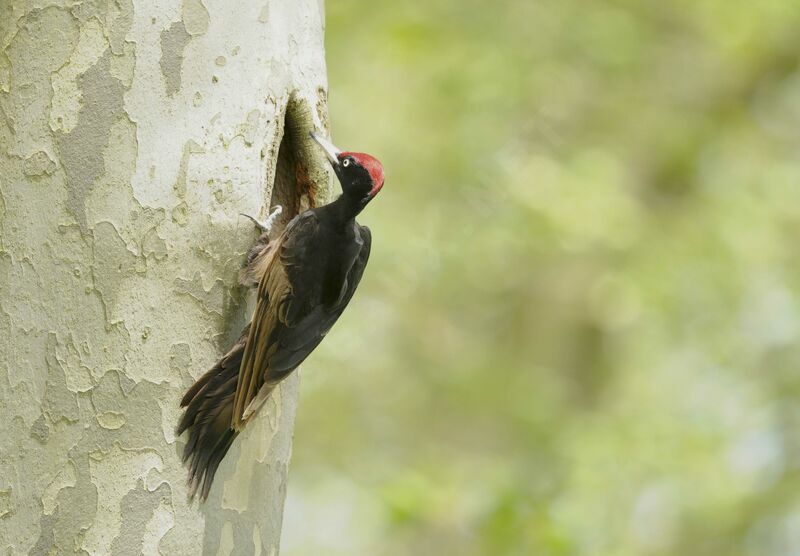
x,y
305,277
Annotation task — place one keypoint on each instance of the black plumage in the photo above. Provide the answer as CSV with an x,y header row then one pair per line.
x,y
306,277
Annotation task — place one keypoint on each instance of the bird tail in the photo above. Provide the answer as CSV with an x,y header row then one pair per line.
x,y
208,417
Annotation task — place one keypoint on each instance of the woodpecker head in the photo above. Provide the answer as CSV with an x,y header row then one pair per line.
x,y
360,174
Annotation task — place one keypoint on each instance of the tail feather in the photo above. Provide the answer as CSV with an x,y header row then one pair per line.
x,y
209,408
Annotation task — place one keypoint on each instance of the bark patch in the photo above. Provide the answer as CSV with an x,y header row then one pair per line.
x,y
173,41
81,149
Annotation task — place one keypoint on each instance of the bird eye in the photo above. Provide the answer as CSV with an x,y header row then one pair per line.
x,y
346,162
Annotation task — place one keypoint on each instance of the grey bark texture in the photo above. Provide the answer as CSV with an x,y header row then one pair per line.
x,y
132,133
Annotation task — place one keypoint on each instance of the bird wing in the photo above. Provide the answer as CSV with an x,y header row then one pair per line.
x,y
289,322
296,342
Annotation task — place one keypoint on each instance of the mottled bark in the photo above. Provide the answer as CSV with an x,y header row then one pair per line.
x,y
132,133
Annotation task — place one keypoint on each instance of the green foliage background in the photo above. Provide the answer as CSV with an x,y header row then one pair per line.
x,y
578,333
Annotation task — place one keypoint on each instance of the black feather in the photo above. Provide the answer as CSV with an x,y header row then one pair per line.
x,y
209,405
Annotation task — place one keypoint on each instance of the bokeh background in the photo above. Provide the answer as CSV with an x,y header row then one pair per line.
x,y
578,333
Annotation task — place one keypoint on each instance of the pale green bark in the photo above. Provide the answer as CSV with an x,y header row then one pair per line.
x,y
132,133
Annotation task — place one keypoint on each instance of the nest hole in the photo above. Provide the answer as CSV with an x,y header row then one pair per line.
x,y
301,176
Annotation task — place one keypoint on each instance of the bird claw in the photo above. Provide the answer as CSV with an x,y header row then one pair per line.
x,y
266,226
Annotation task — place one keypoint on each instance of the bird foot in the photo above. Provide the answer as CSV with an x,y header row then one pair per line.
x,y
266,226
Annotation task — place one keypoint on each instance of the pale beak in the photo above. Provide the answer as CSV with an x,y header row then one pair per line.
x,y
330,149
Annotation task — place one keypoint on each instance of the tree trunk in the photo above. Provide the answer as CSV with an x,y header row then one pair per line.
x,y
133,133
